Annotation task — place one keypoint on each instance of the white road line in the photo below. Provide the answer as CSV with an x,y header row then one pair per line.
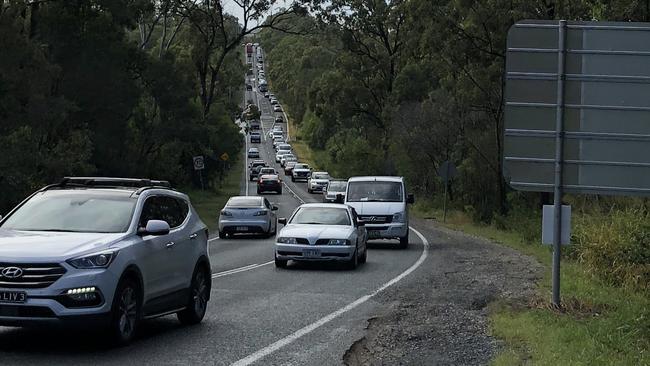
x,y
240,269
258,355
293,193
213,239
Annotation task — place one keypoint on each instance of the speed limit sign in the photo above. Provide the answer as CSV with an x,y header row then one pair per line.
x,y
198,162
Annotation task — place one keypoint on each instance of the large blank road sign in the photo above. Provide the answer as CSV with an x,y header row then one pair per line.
x,y
606,133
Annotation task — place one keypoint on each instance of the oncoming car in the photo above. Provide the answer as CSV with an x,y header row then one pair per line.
x,y
335,190
317,182
87,252
322,232
247,215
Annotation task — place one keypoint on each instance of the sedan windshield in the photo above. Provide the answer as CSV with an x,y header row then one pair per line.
x,y
375,191
74,211
321,216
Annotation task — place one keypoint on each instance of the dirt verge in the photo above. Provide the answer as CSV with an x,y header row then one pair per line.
x,y
439,316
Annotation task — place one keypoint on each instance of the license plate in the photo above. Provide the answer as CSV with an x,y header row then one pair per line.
x,y
373,234
241,228
12,297
311,253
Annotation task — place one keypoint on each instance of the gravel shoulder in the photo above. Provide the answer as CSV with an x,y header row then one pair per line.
x,y
440,316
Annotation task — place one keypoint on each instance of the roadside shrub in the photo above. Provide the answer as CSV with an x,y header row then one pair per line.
x,y
615,246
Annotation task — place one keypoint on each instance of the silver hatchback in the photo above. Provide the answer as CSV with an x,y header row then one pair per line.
x,y
248,215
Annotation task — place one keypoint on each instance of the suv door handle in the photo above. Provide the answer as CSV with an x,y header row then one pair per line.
x,y
194,236
170,244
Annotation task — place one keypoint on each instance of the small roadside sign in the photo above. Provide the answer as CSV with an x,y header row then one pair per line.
x,y
224,157
198,162
447,171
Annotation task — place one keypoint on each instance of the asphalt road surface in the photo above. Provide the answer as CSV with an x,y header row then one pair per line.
x,y
306,314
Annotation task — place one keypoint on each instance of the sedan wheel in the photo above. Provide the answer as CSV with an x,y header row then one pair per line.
x,y
354,261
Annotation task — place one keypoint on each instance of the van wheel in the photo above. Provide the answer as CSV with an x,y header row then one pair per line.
x,y
223,235
404,241
197,303
125,312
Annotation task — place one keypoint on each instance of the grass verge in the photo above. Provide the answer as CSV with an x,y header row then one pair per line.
x,y
598,325
210,201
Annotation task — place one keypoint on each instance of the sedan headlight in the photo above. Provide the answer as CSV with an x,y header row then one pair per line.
x,y
97,260
261,213
226,213
338,242
398,217
287,240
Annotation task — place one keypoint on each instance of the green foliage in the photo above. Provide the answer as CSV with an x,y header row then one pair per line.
x,y
615,246
82,93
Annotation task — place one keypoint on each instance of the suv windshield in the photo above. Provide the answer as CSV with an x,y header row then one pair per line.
x,y
337,186
74,211
321,216
375,191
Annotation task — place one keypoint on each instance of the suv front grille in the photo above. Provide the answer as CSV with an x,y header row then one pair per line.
x,y
377,219
34,275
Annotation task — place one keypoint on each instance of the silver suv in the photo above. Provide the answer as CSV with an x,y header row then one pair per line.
x,y
104,250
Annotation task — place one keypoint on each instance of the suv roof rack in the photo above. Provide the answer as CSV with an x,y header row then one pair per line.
x,y
109,182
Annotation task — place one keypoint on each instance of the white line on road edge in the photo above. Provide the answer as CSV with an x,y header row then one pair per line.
x,y
319,323
293,193
213,239
240,269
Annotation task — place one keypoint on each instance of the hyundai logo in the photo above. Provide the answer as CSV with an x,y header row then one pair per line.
x,y
12,272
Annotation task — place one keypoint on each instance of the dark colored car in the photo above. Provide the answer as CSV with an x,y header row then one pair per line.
x,y
249,87
256,137
255,165
254,125
268,182
279,119
254,173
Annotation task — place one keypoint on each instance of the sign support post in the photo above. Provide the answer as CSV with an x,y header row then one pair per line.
x,y
559,152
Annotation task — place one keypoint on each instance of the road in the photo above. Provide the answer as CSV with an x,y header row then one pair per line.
x,y
306,314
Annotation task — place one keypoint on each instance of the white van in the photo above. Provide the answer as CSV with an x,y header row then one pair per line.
x,y
382,203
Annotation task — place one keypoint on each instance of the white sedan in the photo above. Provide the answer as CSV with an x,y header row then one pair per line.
x,y
322,232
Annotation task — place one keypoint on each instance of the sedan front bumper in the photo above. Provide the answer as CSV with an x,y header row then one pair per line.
x,y
298,252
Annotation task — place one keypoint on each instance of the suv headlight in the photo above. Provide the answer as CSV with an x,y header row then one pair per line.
x,y
338,242
287,240
260,213
398,217
97,260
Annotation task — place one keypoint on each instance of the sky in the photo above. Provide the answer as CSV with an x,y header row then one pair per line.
x,y
232,8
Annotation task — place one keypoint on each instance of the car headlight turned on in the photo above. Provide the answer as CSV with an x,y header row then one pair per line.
x,y
93,261
338,242
81,297
287,240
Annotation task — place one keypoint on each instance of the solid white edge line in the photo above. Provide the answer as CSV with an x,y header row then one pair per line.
x,y
240,269
258,355
294,193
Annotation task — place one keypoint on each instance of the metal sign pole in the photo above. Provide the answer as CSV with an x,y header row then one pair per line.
x,y
559,137
446,180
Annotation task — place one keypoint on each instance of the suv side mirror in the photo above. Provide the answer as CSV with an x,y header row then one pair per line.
x,y
274,208
339,198
155,227
410,198
361,223
282,220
